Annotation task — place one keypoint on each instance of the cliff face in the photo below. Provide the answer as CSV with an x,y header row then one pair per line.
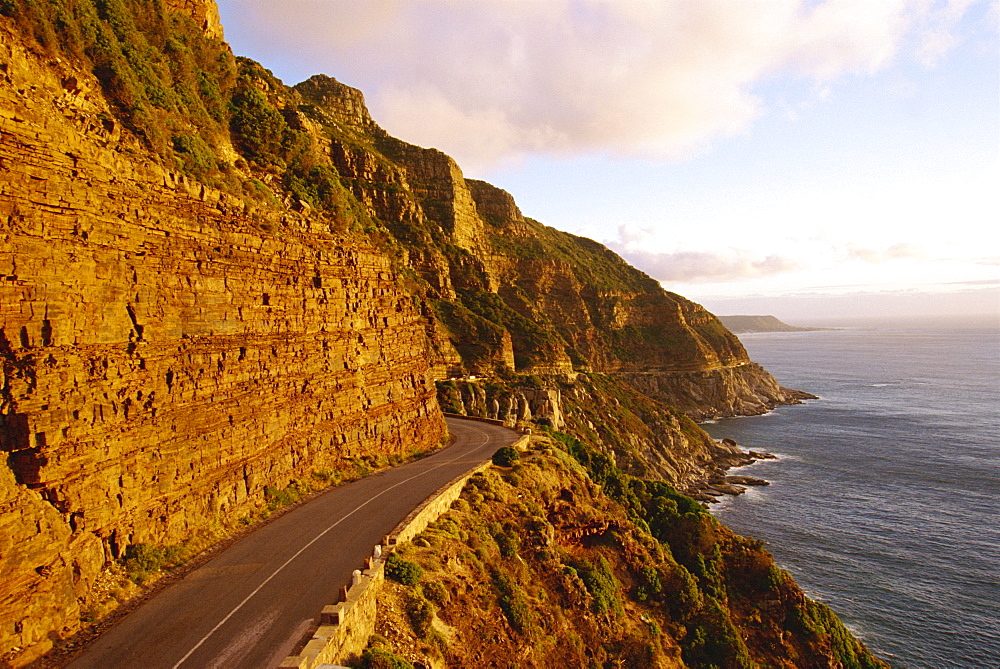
x,y
168,351
567,303
213,285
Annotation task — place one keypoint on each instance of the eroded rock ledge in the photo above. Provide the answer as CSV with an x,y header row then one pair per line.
x,y
167,352
744,389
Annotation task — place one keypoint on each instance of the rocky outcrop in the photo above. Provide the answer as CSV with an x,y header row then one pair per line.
x,y
745,389
204,12
345,104
212,284
514,405
168,351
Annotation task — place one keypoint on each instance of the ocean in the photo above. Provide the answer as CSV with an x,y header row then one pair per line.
x,y
884,502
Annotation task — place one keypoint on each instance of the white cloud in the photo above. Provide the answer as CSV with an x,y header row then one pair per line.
x,y
936,32
900,251
701,266
493,80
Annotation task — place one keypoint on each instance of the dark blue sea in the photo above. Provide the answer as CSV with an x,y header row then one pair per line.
x,y
884,503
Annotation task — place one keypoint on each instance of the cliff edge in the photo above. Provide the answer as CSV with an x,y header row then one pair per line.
x,y
218,291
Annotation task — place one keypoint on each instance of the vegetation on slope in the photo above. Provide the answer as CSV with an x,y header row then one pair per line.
x,y
166,80
563,560
564,301
555,300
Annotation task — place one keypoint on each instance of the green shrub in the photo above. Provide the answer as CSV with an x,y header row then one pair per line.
x,y
601,584
196,156
402,570
318,187
507,543
650,585
379,658
257,126
421,614
506,456
512,603
714,641
143,560
280,497
434,591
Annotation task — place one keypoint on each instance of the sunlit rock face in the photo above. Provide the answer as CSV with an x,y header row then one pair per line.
x,y
204,12
168,351
192,311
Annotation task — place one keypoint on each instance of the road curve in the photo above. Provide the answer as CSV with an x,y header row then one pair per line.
x,y
249,605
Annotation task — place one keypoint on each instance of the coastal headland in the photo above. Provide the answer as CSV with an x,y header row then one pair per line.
x,y
221,293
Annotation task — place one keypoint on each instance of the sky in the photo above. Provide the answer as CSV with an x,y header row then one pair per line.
x,y
810,159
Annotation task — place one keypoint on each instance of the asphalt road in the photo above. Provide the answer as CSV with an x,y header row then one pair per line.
x,y
250,605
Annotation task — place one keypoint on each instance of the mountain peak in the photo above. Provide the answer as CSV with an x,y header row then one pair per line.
x,y
344,103
205,12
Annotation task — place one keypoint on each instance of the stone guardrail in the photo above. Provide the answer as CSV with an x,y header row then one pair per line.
x,y
345,627
491,421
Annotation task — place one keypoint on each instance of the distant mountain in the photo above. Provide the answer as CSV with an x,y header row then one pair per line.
x,y
740,324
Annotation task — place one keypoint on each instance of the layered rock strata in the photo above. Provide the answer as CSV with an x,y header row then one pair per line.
x,y
167,352
559,303
170,351
642,435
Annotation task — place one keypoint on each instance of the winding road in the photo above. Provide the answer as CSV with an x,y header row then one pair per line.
x,y
252,603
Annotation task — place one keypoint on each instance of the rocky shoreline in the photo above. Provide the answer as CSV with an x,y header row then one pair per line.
x,y
716,483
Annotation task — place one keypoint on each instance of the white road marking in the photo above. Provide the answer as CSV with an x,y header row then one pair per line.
x,y
301,550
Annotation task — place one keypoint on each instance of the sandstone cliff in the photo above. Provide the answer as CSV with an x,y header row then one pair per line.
x,y
515,295
213,285
168,351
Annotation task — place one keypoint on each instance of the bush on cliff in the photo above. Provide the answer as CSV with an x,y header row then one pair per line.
x,y
421,614
506,456
601,584
402,570
378,658
258,128
512,602
143,560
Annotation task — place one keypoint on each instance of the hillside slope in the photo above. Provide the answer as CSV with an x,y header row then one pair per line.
x,y
563,561
217,290
511,294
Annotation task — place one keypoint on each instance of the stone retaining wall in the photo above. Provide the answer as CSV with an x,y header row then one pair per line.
x,y
491,421
345,627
